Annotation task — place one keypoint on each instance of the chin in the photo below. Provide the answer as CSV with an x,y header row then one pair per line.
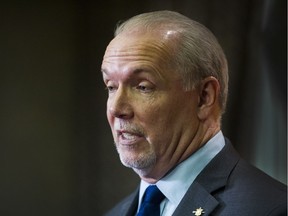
x,y
140,162
143,172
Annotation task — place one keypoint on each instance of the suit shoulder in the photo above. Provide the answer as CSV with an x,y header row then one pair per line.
x,y
247,189
255,179
261,193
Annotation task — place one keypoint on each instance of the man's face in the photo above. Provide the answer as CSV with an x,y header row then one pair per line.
x,y
151,116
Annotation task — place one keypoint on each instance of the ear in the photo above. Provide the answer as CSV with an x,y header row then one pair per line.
x,y
208,103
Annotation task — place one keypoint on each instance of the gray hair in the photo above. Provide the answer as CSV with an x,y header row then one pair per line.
x,y
197,53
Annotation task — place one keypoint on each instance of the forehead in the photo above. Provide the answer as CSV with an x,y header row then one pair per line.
x,y
132,51
131,48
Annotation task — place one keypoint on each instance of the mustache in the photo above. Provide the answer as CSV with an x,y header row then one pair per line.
x,y
128,127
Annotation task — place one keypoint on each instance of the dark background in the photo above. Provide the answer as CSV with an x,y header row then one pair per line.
x,y
56,151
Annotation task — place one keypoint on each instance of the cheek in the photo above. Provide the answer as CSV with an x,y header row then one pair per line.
x,y
169,115
149,112
155,118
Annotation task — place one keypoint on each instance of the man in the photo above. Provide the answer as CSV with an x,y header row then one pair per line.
x,y
167,80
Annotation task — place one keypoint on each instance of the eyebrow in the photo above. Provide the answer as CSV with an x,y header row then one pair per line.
x,y
133,71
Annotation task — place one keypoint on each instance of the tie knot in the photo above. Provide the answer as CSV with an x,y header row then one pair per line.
x,y
153,195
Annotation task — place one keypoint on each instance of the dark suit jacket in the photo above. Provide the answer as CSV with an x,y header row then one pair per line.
x,y
227,186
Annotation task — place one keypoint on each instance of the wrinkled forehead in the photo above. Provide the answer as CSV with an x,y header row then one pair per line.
x,y
146,40
138,47
124,44
128,51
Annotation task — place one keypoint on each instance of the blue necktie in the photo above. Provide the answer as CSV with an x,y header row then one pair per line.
x,y
150,205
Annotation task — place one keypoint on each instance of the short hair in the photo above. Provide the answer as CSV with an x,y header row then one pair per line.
x,y
197,52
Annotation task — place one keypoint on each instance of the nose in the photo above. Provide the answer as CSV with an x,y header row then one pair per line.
x,y
119,104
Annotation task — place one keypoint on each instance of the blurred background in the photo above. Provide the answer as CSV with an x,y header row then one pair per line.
x,y
56,152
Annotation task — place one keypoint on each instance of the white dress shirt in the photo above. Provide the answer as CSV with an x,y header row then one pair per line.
x,y
175,185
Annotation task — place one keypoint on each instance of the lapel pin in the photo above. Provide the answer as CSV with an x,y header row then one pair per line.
x,y
199,212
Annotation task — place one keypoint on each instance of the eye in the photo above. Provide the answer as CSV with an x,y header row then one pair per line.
x,y
111,88
142,88
145,87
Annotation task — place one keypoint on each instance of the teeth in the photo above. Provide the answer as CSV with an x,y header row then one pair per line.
x,y
129,136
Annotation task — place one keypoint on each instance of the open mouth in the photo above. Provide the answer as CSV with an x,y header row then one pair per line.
x,y
128,138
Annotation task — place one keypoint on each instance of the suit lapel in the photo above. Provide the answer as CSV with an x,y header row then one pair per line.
x,y
197,199
129,205
133,208
213,178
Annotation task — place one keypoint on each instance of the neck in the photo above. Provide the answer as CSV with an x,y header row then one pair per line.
x,y
185,148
